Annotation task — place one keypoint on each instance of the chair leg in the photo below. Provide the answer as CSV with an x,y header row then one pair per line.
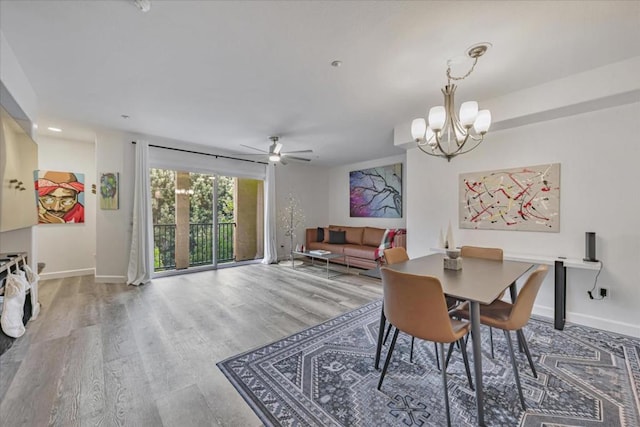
x,y
386,336
411,353
386,362
515,368
446,363
444,385
383,320
463,349
526,351
491,340
435,348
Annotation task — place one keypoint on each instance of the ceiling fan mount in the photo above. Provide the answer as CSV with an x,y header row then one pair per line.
x,y
275,153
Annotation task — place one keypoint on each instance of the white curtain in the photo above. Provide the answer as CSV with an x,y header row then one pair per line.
x,y
141,255
270,246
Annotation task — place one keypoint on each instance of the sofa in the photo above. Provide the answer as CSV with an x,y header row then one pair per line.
x,y
359,245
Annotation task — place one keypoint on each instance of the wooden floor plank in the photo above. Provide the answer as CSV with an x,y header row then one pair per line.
x,y
111,354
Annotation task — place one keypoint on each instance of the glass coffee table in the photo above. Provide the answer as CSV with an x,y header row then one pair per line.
x,y
326,257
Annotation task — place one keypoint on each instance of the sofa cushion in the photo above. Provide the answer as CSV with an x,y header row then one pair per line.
x,y
372,236
359,251
353,234
320,234
337,237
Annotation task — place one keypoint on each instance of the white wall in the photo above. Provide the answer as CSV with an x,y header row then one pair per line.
x,y
69,249
15,80
310,185
115,153
339,213
599,176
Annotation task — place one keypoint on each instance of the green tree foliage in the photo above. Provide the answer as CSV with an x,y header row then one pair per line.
x,y
163,196
163,185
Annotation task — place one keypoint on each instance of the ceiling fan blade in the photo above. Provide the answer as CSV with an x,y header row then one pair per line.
x,y
300,159
297,152
254,148
283,161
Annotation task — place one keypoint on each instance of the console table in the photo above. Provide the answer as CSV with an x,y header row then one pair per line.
x,y
560,265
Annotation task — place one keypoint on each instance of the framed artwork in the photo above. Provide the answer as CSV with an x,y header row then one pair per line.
x,y
109,193
376,192
60,197
522,199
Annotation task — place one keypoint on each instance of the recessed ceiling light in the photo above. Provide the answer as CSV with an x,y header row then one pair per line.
x,y
124,116
336,63
52,129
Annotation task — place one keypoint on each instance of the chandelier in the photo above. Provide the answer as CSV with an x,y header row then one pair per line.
x,y
448,134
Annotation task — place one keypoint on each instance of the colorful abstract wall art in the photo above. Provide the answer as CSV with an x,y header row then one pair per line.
x,y
60,197
109,190
522,199
376,192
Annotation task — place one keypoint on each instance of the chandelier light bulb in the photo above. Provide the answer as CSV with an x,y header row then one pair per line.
x,y
437,117
468,113
482,122
430,136
418,129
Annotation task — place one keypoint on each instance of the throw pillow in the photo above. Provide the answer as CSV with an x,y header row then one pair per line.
x,y
337,237
320,234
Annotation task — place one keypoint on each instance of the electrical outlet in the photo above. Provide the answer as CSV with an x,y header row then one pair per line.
x,y
604,293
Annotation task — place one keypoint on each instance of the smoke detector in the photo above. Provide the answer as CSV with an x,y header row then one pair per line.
x,y
143,5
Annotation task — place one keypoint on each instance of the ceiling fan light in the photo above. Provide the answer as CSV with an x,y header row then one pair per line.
x,y
437,117
274,157
482,122
468,113
277,148
418,128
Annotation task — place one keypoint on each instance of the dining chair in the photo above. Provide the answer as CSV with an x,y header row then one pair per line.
x,y
416,305
394,256
391,256
494,254
511,317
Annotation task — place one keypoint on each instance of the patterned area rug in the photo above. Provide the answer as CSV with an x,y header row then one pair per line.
x,y
324,376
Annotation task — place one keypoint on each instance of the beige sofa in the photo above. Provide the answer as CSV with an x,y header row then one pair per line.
x,y
359,247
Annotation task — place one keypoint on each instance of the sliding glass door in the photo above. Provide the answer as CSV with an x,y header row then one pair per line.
x,y
202,220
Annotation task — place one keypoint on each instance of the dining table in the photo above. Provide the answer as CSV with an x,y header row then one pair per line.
x,y
479,281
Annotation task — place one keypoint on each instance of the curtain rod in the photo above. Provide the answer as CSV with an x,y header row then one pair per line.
x,y
206,154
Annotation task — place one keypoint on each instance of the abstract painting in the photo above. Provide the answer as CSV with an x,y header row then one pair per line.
x,y
60,197
376,192
109,190
522,199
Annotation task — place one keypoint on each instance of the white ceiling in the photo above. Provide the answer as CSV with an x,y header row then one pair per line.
x,y
231,73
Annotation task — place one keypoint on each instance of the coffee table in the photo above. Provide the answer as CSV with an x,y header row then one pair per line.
x,y
326,257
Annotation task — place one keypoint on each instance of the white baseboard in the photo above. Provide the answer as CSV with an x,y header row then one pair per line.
x,y
592,321
110,279
67,273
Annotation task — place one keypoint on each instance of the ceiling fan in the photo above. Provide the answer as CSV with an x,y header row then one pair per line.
x,y
275,153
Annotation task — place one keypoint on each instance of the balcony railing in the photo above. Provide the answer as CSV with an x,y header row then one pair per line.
x,y
200,244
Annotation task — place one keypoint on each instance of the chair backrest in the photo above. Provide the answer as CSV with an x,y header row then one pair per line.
x,y
479,252
521,311
395,255
416,305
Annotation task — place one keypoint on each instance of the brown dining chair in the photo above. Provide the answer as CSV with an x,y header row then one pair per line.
x,y
391,256
511,317
494,254
416,305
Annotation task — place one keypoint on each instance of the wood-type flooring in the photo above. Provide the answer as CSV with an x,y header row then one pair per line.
x,y
117,355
